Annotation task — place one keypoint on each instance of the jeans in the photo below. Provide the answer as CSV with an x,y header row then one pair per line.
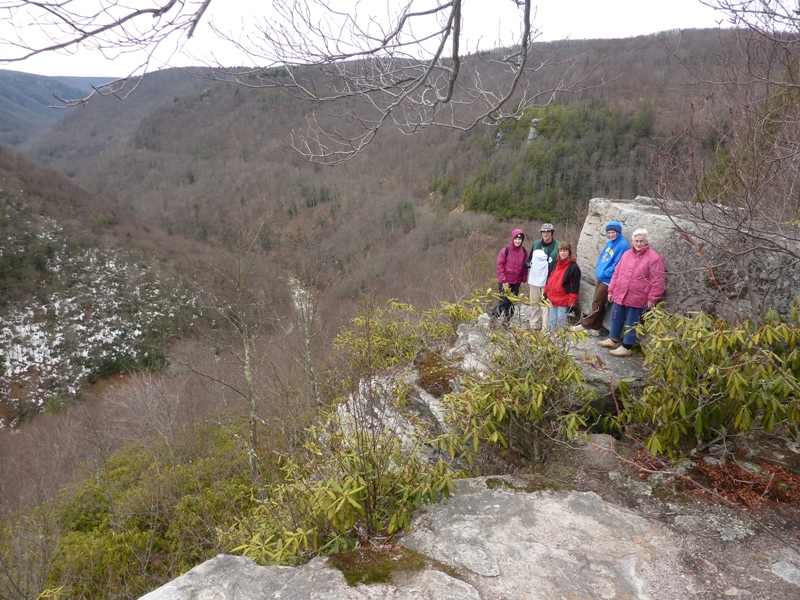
x,y
624,320
558,317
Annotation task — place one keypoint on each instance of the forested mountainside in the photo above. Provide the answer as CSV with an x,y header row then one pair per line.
x,y
78,301
189,160
192,155
27,101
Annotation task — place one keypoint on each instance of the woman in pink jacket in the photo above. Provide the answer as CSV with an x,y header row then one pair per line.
x,y
511,270
638,283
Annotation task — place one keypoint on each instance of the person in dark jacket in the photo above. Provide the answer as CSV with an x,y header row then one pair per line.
x,y
563,286
511,272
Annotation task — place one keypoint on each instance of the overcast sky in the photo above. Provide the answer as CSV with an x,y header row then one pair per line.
x,y
488,20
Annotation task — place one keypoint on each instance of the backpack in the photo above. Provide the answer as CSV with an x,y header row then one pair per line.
x,y
525,254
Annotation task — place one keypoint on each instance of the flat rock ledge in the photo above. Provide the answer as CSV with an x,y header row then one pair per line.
x,y
503,541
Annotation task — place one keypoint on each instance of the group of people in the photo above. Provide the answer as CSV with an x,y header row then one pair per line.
x,y
632,280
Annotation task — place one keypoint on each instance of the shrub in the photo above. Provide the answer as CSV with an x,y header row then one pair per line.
x,y
98,222
442,184
87,510
443,321
353,484
531,394
148,516
99,565
379,337
711,379
360,476
27,548
316,195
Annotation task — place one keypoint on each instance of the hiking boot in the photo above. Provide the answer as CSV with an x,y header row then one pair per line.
x,y
621,352
609,343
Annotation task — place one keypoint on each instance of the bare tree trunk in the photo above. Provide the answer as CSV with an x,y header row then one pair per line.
x,y
252,420
306,307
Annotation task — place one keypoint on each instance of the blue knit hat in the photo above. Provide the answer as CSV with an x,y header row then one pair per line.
x,y
615,225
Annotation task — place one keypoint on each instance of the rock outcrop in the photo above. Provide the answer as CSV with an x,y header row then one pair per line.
x,y
718,276
497,538
504,537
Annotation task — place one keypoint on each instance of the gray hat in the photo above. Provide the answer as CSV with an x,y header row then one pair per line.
x,y
547,227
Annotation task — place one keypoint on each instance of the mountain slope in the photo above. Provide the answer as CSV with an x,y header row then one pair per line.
x,y
27,103
74,303
197,157
181,148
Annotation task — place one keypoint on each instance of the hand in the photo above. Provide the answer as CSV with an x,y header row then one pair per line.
x,y
610,298
506,287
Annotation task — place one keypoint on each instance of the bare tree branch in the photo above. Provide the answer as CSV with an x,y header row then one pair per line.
x,y
363,67
364,80
112,27
732,179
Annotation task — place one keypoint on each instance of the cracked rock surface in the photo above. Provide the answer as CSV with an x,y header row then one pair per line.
x,y
501,538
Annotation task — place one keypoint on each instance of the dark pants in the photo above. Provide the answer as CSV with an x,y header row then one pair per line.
x,y
594,320
624,320
505,307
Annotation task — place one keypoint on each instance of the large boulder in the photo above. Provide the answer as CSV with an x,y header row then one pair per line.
x,y
720,272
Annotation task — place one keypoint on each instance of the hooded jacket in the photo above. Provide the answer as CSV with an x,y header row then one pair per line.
x,y
510,265
610,257
638,278
564,283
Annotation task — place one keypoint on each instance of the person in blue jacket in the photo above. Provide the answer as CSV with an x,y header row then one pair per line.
x,y
606,263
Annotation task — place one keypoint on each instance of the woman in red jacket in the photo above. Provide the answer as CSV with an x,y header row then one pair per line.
x,y
562,286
